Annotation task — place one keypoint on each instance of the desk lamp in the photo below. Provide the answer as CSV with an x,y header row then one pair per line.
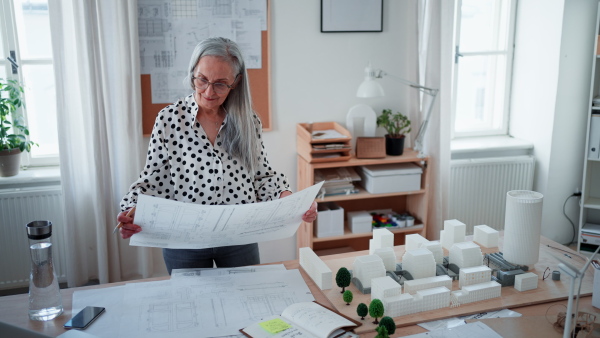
x,y
371,88
575,274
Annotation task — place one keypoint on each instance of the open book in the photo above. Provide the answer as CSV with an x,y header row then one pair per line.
x,y
305,319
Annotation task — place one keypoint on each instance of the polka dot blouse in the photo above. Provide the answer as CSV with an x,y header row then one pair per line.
x,y
183,165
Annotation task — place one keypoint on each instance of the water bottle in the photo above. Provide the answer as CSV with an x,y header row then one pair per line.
x,y
45,302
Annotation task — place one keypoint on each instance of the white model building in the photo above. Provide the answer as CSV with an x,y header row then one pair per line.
x,y
454,232
368,267
466,255
388,256
423,300
526,281
486,236
384,287
419,262
416,241
412,286
476,293
474,275
382,238
317,269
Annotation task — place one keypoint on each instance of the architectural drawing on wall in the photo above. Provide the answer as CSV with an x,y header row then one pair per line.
x,y
172,224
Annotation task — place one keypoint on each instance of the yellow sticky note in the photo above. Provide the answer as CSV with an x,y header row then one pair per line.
x,y
275,325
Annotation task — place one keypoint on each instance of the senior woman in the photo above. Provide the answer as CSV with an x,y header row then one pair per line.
x,y
207,149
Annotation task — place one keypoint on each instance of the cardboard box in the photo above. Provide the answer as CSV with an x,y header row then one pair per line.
x,y
359,221
330,220
391,178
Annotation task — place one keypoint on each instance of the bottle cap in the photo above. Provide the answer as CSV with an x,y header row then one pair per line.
x,y
39,229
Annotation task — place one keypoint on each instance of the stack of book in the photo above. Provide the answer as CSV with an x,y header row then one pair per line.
x,y
338,181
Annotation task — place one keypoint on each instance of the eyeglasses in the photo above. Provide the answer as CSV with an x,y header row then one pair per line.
x,y
219,87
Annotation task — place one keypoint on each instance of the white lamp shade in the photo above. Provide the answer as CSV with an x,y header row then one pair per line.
x,y
369,88
522,227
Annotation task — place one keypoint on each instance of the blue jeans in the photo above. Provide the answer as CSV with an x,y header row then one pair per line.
x,y
224,257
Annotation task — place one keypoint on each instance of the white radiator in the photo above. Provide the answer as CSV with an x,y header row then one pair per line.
x,y
478,188
17,208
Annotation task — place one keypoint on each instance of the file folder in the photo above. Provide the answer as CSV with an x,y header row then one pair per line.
x,y
594,139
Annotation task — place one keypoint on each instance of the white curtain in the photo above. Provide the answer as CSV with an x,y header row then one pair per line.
x,y
434,46
96,58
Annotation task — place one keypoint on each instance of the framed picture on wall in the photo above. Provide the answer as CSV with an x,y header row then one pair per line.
x,y
339,16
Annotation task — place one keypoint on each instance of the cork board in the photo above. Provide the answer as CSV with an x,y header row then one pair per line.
x,y
260,87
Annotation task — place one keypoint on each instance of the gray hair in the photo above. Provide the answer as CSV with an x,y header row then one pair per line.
x,y
240,134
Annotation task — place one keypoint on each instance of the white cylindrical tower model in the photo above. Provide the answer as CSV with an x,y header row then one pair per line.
x,y
522,226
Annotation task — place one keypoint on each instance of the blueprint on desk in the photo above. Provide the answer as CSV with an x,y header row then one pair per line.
x,y
178,225
212,306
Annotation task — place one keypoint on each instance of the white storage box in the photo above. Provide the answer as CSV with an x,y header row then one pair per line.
x,y
359,221
330,220
390,178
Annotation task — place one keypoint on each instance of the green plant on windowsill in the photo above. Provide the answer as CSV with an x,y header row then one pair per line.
x,y
396,124
13,131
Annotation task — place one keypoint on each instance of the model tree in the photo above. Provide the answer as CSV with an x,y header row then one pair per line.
x,y
376,309
362,310
381,332
342,278
347,296
389,324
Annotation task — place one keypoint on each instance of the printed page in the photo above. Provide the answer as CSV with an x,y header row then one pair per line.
x,y
316,319
256,331
178,225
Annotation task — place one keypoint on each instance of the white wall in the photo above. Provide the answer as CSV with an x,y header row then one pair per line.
x,y
550,99
315,77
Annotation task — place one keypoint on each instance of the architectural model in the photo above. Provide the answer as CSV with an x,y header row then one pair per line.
x,y
419,263
416,241
465,255
526,281
382,238
474,275
317,269
367,268
476,293
423,300
412,286
384,287
388,256
486,236
454,232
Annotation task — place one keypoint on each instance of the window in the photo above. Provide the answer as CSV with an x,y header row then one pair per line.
x,y
25,35
483,65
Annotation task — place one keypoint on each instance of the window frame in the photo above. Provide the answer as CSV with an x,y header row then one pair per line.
x,y
509,52
10,42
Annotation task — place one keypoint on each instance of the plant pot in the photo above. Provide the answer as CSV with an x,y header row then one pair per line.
x,y
394,146
9,162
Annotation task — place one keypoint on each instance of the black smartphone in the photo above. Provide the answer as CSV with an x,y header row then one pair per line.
x,y
84,318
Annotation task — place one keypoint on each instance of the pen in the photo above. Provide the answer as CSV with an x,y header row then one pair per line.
x,y
120,223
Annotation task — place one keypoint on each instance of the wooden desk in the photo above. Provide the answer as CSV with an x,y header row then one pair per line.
x,y
13,309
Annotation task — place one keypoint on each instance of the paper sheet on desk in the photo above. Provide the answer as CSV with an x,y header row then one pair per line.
x,y
178,225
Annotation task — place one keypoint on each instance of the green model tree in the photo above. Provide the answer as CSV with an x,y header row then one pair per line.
x,y
342,278
376,309
381,332
362,310
389,324
348,296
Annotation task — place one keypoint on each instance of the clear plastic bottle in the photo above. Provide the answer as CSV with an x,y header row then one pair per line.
x,y
45,302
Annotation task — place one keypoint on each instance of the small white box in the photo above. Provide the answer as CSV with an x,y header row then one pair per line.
x,y
391,178
330,220
359,221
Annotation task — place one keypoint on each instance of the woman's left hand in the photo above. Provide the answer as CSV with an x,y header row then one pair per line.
x,y
311,215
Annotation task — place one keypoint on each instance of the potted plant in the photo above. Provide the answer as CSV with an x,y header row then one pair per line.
x,y
396,125
13,132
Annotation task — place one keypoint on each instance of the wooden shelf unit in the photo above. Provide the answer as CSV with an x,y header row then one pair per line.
x,y
414,202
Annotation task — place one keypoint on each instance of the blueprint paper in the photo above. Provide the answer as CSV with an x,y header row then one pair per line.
x,y
471,330
208,306
203,272
178,225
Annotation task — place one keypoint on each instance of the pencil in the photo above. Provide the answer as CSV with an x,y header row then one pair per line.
x,y
120,225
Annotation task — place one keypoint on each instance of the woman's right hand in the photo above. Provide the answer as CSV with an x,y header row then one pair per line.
x,y
128,228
